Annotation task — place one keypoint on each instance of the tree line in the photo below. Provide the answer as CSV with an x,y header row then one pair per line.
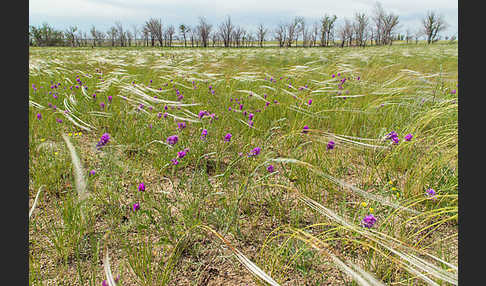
x,y
379,28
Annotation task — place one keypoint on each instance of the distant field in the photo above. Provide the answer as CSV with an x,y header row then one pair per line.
x,y
341,166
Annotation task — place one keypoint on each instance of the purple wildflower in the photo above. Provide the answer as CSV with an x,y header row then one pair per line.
x,y
431,192
227,137
103,140
305,129
94,95
92,172
369,221
408,137
330,145
110,98
174,161
204,133
255,151
39,116
181,125
250,116
270,169
310,101
391,135
172,139
59,120
453,91
102,105
182,153
136,207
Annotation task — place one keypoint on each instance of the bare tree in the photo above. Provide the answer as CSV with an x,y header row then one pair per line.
x,y
360,27
261,32
237,35
314,34
292,31
281,34
327,29
112,34
170,34
225,30
70,34
129,38
300,28
154,27
183,30
204,29
433,24
385,25
215,37
135,32
120,33
346,33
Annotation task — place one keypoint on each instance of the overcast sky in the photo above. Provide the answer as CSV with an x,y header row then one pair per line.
x,y
247,13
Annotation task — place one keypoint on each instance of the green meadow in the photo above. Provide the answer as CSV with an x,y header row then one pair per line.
x,y
341,168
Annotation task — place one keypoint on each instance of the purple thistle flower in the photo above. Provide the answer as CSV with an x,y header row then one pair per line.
x,y
181,125
165,107
136,207
110,98
255,151
453,91
241,106
204,133
270,169
305,129
310,101
182,153
250,122
267,103
275,101
229,108
369,221
431,192
103,140
408,137
159,115
250,116
333,75
174,161
358,78
180,97
39,116
94,95
92,172
165,114
59,120
172,139
227,137
202,113
102,105
391,135
265,95
330,145
395,140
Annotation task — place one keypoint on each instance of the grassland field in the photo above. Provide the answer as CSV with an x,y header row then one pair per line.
x,y
341,167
